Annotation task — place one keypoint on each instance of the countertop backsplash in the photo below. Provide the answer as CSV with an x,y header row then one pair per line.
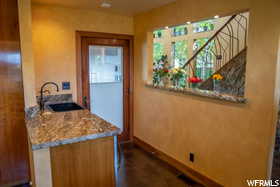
x,y
30,112
59,98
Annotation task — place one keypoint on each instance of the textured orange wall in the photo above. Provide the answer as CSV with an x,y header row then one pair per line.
x,y
26,52
231,142
53,30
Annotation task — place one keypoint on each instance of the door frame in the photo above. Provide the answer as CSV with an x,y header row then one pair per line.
x,y
79,64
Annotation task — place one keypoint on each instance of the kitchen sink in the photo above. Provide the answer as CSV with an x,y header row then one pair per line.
x,y
63,107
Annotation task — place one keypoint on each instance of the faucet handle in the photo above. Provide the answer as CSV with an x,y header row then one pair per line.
x,y
47,91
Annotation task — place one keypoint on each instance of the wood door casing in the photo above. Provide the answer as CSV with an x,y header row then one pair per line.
x,y
14,166
103,39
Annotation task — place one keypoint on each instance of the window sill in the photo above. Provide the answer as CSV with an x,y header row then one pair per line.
x,y
201,93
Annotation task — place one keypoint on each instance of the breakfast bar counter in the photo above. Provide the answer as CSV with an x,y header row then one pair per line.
x,y
58,128
74,148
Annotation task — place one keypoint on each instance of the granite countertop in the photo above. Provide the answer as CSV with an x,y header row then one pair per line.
x,y
58,128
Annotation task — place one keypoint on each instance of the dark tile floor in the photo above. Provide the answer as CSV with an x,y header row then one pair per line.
x,y
275,174
22,185
141,169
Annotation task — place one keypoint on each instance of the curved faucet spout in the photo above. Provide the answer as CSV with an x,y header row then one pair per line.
x,y
42,93
45,84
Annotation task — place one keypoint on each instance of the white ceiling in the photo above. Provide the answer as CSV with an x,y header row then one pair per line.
x,y
125,7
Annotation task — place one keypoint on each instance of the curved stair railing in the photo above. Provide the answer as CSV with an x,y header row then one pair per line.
x,y
225,44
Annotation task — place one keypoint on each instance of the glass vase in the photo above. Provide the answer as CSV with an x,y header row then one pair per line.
x,y
194,85
175,83
163,81
217,85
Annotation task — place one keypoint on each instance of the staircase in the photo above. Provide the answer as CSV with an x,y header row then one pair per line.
x,y
224,53
234,76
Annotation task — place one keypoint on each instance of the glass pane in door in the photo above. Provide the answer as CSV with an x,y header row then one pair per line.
x,y
106,83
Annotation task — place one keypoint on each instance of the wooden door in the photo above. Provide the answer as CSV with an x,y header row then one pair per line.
x,y
13,138
127,74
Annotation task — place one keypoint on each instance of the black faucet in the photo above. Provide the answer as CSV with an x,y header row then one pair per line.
x,y
42,103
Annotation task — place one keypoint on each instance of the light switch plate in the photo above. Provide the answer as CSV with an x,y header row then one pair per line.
x,y
65,85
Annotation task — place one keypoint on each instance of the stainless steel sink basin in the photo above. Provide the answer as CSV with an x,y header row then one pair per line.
x,y
63,107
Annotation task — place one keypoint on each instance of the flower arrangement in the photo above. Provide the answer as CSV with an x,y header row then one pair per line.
x,y
194,81
177,76
161,71
217,77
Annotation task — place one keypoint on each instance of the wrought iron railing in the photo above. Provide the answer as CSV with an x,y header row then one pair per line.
x,y
225,44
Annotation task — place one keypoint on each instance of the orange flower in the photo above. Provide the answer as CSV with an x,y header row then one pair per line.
x,y
217,76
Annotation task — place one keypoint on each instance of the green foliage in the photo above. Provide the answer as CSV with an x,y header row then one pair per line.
x,y
208,72
204,61
160,69
178,77
198,43
158,51
203,26
208,24
207,51
179,30
158,33
180,53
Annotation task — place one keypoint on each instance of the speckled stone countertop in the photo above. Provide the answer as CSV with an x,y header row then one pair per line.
x,y
58,128
201,93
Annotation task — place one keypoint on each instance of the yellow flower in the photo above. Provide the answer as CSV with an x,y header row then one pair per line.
x,y
217,76
174,70
183,71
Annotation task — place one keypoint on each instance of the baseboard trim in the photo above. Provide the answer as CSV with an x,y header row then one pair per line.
x,y
204,180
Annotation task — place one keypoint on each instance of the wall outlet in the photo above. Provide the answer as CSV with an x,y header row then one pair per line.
x,y
65,85
191,157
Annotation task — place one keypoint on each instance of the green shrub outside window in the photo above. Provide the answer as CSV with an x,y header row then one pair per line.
x,y
158,51
203,26
179,30
158,34
179,53
205,60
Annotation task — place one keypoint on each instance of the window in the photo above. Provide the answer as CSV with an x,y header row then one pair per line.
x,y
179,30
158,51
203,26
105,64
158,34
183,55
179,53
204,61
111,52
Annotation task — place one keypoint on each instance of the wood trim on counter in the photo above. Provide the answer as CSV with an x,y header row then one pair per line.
x,y
176,164
80,35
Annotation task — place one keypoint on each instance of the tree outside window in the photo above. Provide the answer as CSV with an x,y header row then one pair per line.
x,y
179,53
158,34
203,26
179,30
205,59
158,51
